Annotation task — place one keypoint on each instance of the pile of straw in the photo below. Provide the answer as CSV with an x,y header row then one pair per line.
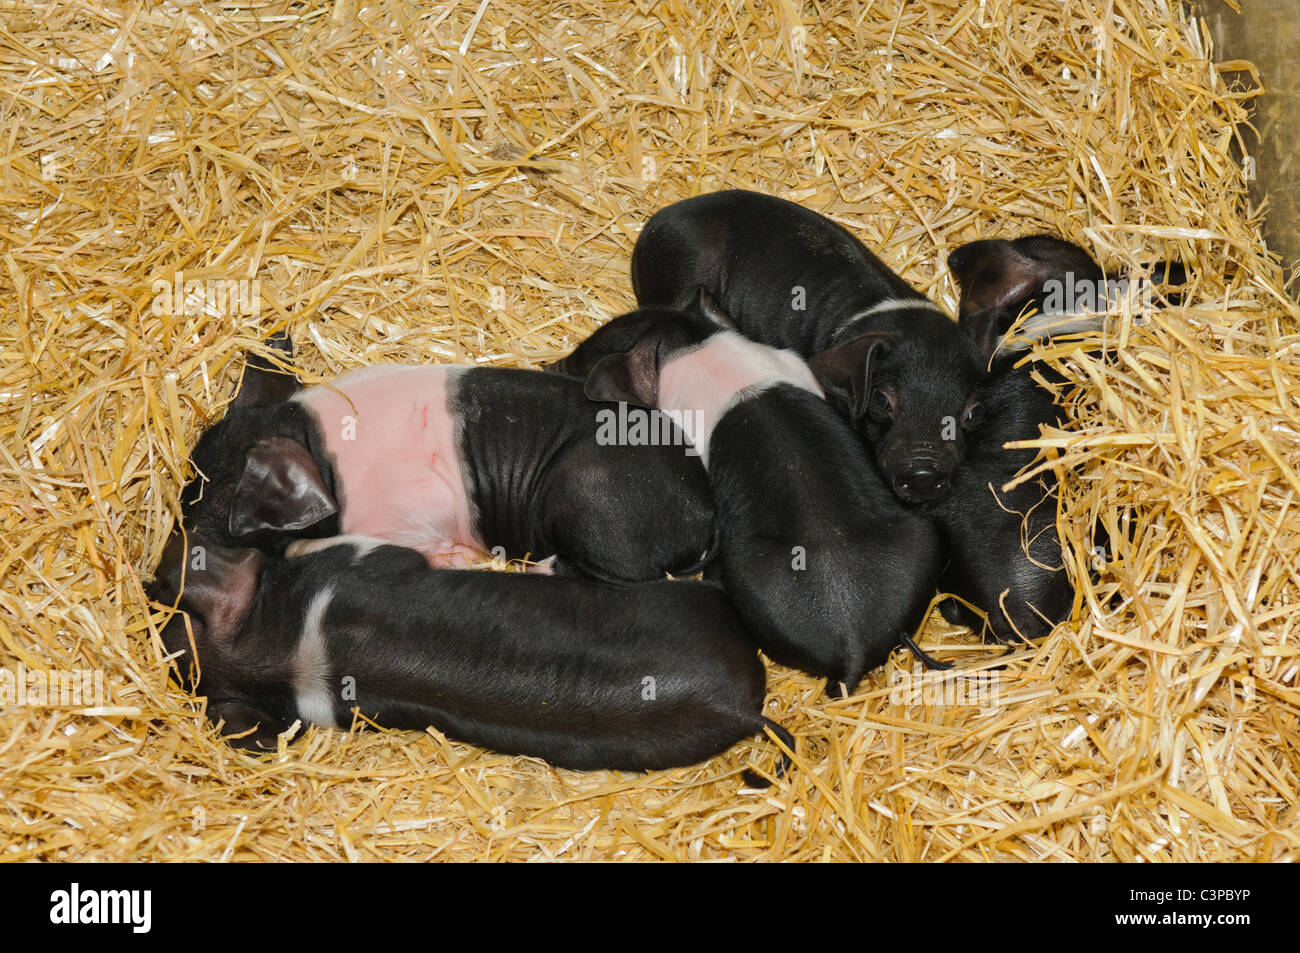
x,y
464,182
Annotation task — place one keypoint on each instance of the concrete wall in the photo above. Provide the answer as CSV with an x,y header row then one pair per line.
x,y
1267,32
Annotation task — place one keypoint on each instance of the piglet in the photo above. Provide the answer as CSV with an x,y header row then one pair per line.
x,y
1003,548
1046,288
452,461
829,572
904,375
583,674
1002,551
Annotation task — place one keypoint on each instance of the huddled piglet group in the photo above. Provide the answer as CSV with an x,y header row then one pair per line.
x,y
818,440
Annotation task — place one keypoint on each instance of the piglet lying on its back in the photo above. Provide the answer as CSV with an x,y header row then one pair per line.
x,y
452,461
584,674
828,571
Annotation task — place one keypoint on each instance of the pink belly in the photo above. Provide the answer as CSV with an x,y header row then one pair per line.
x,y
392,443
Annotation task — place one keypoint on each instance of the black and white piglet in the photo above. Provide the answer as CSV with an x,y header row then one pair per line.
x,y
828,570
583,674
452,461
901,371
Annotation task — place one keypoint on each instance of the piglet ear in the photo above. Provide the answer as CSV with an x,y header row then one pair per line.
x,y
213,585
281,488
999,278
708,308
845,370
263,382
996,282
219,585
631,377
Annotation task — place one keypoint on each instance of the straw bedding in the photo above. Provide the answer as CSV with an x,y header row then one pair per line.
x,y
464,182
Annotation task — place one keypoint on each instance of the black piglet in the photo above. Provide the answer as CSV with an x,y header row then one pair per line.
x,y
583,674
1004,554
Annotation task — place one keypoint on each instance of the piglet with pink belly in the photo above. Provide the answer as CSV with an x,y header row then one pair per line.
x,y
455,462
828,570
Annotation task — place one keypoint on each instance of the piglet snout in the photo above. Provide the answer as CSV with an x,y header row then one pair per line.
x,y
922,485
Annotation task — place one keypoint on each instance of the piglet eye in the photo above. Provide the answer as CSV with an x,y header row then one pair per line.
x,y
881,405
974,414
